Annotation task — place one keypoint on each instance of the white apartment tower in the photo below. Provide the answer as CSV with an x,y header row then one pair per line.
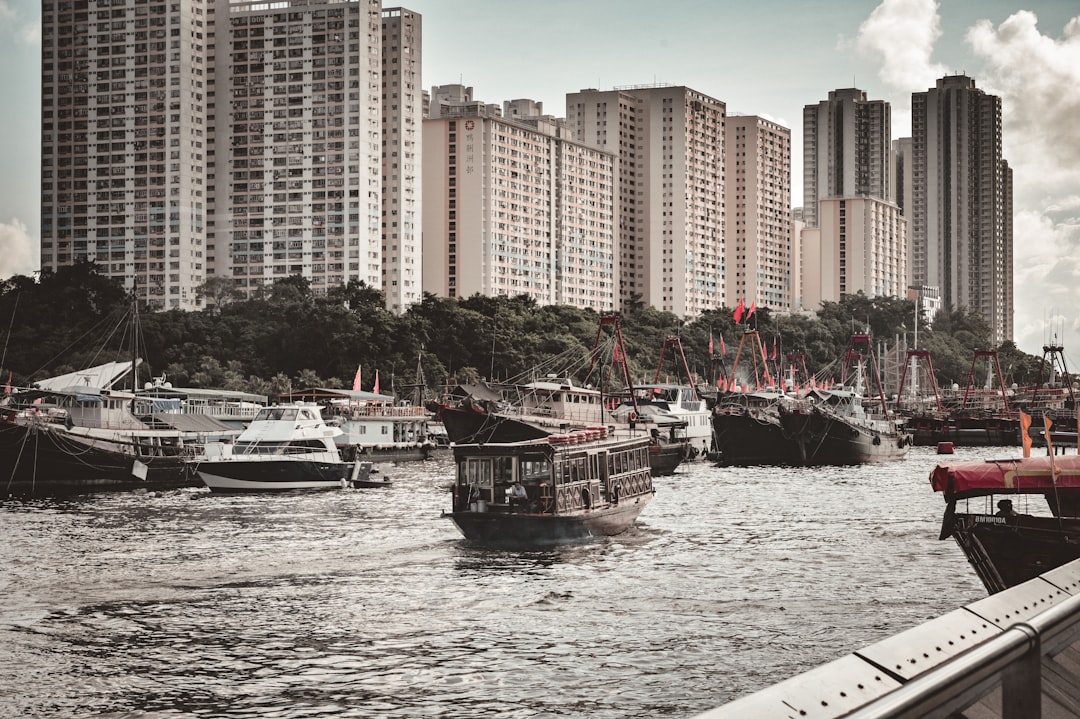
x,y
512,208
669,145
402,125
125,145
846,150
298,143
229,138
758,237
855,239
962,201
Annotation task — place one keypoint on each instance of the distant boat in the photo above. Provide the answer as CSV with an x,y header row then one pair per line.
x,y
552,403
840,425
1006,548
285,448
373,426
578,485
75,433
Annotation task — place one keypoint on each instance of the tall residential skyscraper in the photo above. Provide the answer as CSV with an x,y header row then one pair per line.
x,y
669,145
855,238
758,213
847,150
512,207
962,201
402,125
229,138
126,148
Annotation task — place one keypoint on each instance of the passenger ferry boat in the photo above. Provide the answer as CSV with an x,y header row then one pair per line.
x,y
286,447
577,485
1006,548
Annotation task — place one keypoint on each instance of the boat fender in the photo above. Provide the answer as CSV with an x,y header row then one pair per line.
x,y
901,443
877,439
586,498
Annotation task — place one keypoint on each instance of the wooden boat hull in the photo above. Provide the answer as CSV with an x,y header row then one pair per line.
x,y
45,460
1006,551
520,529
746,438
824,439
964,431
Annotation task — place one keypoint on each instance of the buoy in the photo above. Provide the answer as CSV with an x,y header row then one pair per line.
x,y
944,448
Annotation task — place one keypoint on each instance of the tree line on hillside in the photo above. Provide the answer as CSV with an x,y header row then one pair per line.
x,y
289,338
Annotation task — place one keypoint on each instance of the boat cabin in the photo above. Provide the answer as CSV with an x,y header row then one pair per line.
x,y
562,474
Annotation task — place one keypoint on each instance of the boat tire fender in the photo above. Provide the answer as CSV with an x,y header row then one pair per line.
x,y
877,439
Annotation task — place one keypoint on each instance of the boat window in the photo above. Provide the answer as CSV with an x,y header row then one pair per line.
x,y
535,468
503,470
289,414
479,472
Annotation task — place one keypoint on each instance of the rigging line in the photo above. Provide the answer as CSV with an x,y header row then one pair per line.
x,y
18,458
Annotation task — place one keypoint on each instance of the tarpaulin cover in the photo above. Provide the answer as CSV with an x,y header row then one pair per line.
x,y
1003,476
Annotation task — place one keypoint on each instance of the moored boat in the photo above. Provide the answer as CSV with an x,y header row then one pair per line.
x,y
1035,526
66,438
285,448
576,485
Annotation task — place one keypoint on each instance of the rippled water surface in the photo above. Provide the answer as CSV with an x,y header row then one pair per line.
x,y
364,603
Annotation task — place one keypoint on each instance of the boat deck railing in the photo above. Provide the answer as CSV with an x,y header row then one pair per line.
x,y
1013,655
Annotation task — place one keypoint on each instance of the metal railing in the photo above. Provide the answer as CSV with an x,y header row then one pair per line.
x,y
998,652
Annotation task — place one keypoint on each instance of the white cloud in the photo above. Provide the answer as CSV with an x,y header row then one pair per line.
x,y
1037,78
902,34
18,256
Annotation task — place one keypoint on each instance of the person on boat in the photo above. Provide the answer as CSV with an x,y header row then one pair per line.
x,y
1005,509
518,496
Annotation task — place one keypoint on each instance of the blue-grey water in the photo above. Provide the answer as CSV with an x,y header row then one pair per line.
x,y
364,603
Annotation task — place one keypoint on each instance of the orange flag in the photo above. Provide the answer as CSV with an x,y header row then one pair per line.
x,y
1025,438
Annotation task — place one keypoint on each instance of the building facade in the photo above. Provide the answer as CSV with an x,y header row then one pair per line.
x,y
855,237
847,150
232,139
758,244
126,149
512,207
402,128
962,201
669,145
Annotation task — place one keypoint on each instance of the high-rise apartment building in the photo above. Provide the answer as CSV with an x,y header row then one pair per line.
x,y
846,150
402,125
669,145
961,209
855,239
513,207
230,138
126,148
758,213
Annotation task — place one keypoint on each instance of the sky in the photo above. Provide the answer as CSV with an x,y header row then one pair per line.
x,y
768,57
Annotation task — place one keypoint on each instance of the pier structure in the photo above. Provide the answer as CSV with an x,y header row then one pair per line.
x,y
1012,655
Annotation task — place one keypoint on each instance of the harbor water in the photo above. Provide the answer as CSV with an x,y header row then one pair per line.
x,y
365,603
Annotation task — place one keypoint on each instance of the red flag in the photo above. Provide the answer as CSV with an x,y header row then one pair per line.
x,y
739,311
723,351
710,343
1025,425
356,380
375,389
774,348
753,306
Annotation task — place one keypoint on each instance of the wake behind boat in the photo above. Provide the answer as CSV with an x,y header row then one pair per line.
x,y
546,491
286,448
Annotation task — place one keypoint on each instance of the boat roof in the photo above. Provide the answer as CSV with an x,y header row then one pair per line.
x,y
103,376
164,392
315,393
191,422
1031,475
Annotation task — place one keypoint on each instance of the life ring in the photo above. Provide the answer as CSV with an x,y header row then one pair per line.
x,y
633,416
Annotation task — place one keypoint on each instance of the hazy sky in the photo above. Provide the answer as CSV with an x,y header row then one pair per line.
x,y
768,57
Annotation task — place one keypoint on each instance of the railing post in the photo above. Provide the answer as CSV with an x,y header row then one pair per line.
x,y
1021,681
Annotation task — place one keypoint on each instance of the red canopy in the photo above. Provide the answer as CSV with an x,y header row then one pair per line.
x,y
1006,476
